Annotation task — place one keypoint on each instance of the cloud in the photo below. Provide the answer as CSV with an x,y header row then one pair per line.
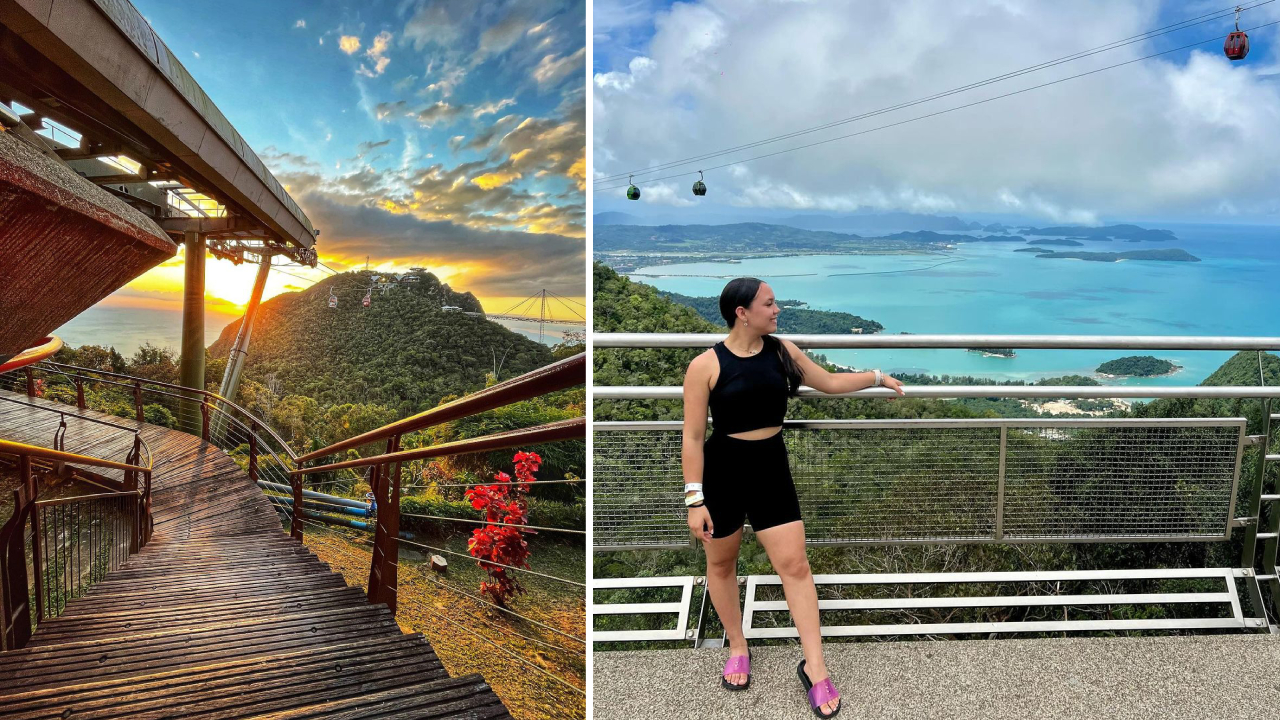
x,y
193,52
497,38
440,113
1154,137
300,24
552,69
349,44
376,53
383,110
367,145
403,83
492,108
450,77
491,180
486,136
492,262
277,158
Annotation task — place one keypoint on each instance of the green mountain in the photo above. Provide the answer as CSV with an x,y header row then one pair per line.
x,y
404,351
1128,233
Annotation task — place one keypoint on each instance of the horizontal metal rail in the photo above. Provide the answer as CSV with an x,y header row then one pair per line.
x,y
566,373
675,392
570,429
9,447
1019,342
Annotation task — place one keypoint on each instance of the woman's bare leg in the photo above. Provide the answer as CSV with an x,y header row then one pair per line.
x,y
785,546
722,586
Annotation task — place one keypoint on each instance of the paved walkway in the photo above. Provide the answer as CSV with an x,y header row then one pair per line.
x,y
222,615
1167,678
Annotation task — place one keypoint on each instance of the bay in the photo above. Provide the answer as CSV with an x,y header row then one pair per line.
x,y
987,288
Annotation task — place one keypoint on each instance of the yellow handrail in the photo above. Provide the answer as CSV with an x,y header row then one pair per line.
x,y
10,447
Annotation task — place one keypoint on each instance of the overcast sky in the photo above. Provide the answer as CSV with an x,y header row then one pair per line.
x,y
1189,136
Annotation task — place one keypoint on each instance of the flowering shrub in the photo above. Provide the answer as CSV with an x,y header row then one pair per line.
x,y
504,502
39,383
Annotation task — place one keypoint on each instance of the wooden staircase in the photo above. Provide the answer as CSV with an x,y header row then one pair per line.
x,y
222,615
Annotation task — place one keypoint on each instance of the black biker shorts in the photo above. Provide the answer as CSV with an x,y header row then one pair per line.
x,y
747,479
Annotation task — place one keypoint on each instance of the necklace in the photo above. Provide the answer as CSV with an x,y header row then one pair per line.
x,y
752,352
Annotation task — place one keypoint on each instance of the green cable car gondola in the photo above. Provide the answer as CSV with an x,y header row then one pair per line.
x,y
699,187
633,192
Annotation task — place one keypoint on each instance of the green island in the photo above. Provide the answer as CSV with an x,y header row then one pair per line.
x,y
994,352
796,318
1138,366
1168,255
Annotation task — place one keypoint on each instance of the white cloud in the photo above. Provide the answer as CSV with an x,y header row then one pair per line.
x,y
349,44
492,108
193,52
300,24
1158,135
552,69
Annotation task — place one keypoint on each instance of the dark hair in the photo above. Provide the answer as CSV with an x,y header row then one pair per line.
x,y
741,292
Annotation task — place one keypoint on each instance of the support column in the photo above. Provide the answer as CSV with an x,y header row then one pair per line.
x,y
192,370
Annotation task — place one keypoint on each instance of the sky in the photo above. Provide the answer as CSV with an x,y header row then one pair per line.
x,y
443,134
1189,136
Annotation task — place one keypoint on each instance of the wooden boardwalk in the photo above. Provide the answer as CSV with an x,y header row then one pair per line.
x,y
222,615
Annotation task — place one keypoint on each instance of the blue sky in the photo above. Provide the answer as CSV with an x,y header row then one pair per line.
x,y
1186,137
446,134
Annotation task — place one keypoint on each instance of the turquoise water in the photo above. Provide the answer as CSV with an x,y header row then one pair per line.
x,y
1235,290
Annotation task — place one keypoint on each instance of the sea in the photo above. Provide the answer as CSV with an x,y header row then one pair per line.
x,y
986,288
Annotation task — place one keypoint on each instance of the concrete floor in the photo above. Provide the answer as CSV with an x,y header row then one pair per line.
x,y
1171,678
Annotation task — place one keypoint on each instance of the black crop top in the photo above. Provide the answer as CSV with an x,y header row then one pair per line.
x,y
751,392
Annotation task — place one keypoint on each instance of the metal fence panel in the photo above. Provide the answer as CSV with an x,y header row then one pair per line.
x,y
948,481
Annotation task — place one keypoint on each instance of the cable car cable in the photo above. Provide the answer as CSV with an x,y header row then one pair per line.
x,y
1192,22
945,111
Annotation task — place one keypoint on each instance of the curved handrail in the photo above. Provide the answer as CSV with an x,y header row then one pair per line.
x,y
181,388
45,349
134,431
556,376
10,447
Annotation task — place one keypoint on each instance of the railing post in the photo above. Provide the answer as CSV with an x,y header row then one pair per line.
x,y
253,451
137,400
80,393
204,418
15,605
383,570
148,523
31,382
295,481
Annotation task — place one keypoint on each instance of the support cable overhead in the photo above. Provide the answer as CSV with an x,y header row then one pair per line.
x,y
1112,46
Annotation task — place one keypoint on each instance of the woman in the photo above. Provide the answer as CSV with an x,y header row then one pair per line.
x,y
742,471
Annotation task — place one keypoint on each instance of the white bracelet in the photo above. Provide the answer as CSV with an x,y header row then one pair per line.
x,y
879,378
694,499
690,487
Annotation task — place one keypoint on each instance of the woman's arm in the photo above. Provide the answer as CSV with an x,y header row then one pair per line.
x,y
697,392
833,383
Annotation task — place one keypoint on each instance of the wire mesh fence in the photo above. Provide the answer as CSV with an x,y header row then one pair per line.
x,y
950,481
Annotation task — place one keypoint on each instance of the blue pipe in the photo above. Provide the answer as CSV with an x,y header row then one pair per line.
x,y
331,499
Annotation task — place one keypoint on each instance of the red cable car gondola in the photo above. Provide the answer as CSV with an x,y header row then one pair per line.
x,y
1237,44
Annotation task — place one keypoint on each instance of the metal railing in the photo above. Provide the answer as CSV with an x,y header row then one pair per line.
x,y
964,481
53,550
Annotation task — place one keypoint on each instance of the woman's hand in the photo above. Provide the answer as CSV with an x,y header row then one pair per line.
x,y
892,383
700,523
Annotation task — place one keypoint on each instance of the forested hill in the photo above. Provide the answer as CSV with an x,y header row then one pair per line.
x,y
796,319
404,351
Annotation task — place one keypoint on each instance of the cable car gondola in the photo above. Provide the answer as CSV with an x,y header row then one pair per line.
x,y
699,187
633,192
1237,44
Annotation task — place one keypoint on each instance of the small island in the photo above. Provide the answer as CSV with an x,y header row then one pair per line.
x,y
994,352
1067,242
1033,250
1170,255
1137,366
